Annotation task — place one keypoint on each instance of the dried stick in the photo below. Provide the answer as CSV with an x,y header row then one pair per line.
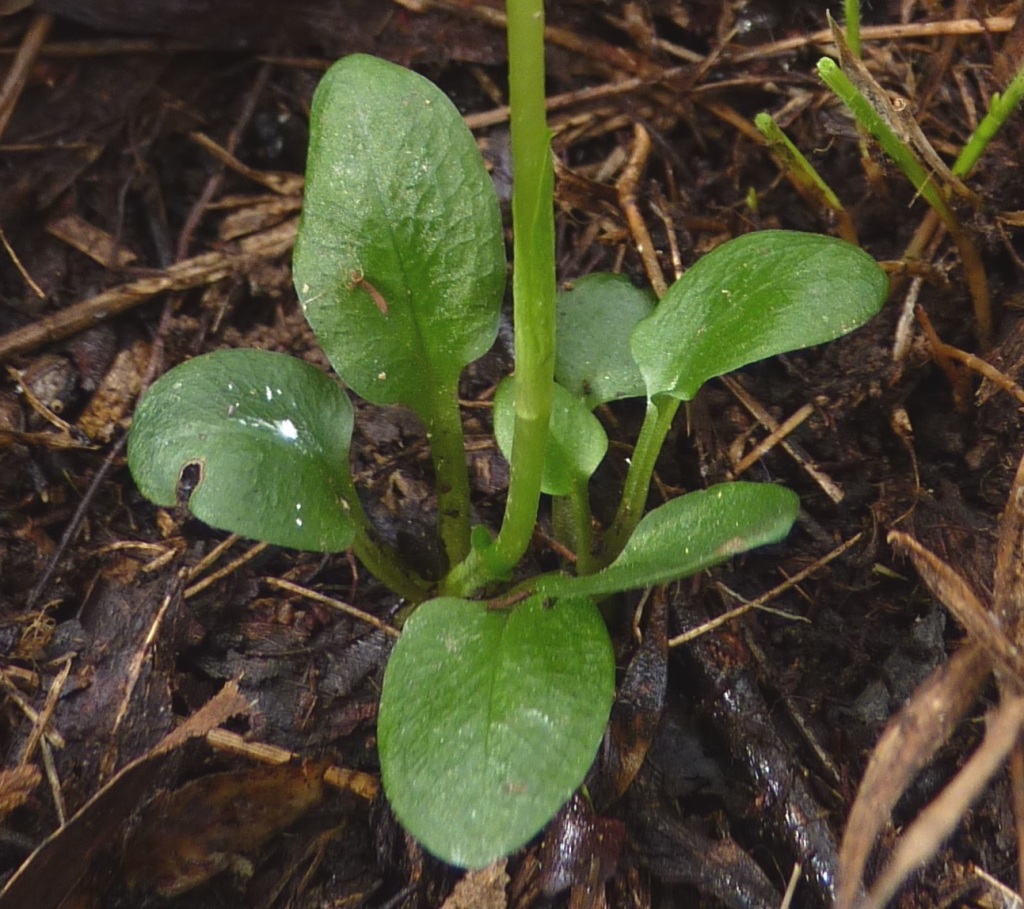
x,y
195,272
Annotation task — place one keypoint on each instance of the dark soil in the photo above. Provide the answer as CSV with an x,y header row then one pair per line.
x,y
117,622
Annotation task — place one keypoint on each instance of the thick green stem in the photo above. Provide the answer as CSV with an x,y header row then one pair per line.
x,y
533,300
851,19
657,422
448,450
533,278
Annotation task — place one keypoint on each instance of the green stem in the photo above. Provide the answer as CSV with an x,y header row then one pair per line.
x,y
1001,107
657,422
866,115
388,569
533,278
583,530
382,563
533,301
448,451
851,19
802,174
901,153
795,161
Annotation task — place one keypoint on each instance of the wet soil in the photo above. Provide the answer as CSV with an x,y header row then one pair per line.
x,y
149,181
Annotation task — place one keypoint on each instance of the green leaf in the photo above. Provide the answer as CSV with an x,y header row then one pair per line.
x,y
595,319
577,441
399,215
759,295
268,438
489,720
687,535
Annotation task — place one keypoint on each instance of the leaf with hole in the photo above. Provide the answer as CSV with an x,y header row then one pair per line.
x,y
400,259
577,441
687,535
595,319
489,720
759,295
265,438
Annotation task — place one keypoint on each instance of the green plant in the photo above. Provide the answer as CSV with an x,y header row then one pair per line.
x,y
492,710
894,128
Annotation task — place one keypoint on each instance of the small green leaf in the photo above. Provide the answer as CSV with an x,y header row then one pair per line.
x,y
595,320
267,436
577,441
687,535
400,260
489,721
759,295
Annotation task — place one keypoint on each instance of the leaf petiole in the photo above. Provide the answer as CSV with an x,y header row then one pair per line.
x,y
657,422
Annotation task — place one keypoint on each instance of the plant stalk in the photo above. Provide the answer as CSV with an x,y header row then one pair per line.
x,y
380,561
1001,107
908,162
448,451
657,422
805,179
583,531
851,19
533,279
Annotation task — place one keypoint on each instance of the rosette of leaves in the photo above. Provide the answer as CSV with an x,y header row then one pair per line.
x,y
489,718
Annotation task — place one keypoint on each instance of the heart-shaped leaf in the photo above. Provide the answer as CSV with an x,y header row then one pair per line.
x,y
687,535
759,295
399,261
577,441
267,438
595,319
489,720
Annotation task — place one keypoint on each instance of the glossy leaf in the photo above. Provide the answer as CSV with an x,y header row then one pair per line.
x,y
759,295
489,720
399,262
266,438
687,535
577,441
595,319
